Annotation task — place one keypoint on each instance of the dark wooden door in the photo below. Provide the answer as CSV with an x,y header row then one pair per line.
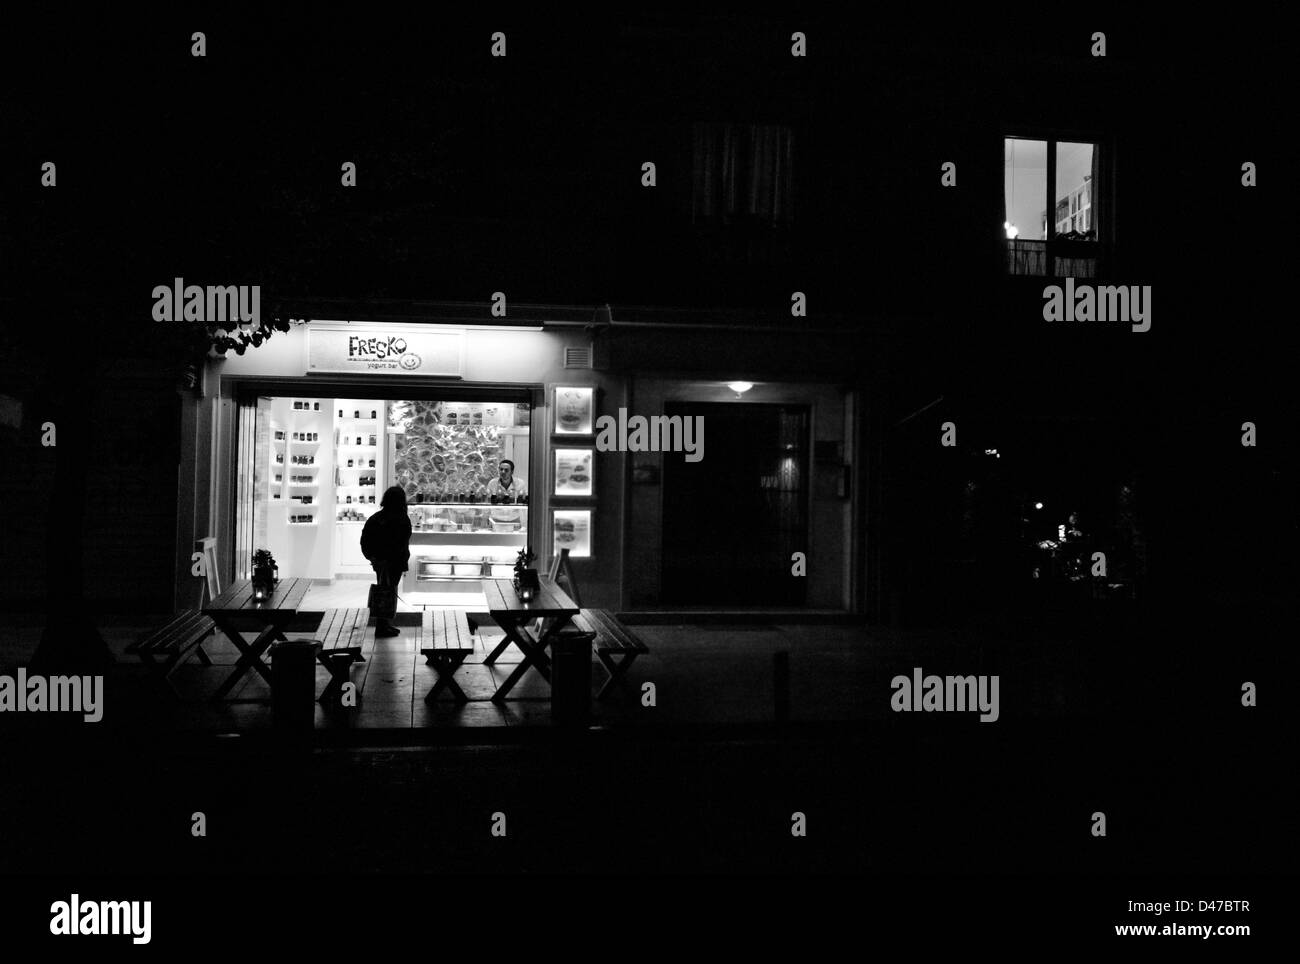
x,y
733,519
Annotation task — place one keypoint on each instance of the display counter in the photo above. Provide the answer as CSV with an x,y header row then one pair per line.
x,y
463,542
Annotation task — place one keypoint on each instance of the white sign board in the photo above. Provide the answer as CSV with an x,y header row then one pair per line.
x,y
365,347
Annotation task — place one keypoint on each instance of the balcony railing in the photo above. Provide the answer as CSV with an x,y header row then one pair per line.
x,y
1073,259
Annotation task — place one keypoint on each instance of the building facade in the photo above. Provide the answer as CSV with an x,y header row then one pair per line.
x,y
753,506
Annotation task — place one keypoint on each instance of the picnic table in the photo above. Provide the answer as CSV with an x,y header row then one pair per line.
x,y
273,614
550,604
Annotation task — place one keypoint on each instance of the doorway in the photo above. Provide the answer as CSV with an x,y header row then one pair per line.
x,y
733,519
310,470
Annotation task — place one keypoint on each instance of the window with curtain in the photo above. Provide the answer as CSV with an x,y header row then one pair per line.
x,y
742,174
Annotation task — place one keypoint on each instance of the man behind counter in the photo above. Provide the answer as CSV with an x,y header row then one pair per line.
x,y
505,487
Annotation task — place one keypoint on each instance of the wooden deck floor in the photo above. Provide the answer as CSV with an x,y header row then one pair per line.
x,y
391,685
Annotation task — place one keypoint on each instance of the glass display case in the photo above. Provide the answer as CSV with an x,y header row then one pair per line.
x,y
464,541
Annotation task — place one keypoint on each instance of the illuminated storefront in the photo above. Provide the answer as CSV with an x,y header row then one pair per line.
x,y
297,440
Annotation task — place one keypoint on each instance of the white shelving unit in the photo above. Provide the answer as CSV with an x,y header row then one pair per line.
x,y
357,437
293,525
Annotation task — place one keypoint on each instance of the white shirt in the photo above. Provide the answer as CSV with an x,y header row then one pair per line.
x,y
517,488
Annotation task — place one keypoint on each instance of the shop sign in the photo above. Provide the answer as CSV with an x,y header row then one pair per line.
x,y
366,348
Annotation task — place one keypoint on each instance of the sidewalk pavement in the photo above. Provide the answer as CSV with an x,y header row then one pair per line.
x,y
702,675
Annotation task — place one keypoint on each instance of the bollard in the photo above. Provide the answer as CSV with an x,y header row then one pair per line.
x,y
571,680
293,685
781,685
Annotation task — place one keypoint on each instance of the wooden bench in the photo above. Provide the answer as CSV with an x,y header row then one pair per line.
x,y
343,634
612,639
166,648
449,641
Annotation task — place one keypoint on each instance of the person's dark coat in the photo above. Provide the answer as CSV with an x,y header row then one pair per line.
x,y
386,538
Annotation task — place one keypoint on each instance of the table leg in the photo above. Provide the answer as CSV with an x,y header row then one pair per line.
x,y
252,655
534,655
500,647
491,657
538,658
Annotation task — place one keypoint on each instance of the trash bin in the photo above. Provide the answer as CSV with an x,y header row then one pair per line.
x,y
571,679
293,685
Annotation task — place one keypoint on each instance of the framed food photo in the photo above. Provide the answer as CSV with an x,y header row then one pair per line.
x,y
574,410
573,471
571,529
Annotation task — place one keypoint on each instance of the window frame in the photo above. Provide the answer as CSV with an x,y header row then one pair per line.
x,y
1053,137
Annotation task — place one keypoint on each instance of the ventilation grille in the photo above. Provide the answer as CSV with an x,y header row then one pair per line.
x,y
577,356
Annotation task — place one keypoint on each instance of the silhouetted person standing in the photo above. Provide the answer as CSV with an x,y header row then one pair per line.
x,y
386,542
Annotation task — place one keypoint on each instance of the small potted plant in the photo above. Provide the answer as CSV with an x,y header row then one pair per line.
x,y
526,581
265,574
